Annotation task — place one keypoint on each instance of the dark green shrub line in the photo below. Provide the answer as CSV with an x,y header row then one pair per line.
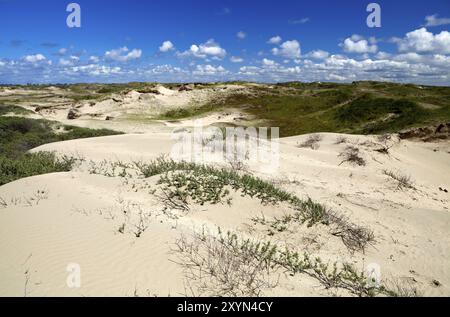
x,y
5,109
32,164
19,135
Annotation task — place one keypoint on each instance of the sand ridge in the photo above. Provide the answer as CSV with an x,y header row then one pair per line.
x,y
77,218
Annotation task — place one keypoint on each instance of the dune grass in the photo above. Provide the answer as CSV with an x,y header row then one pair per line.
x,y
358,108
19,135
6,109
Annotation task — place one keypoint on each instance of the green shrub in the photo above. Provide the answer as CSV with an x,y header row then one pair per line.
x,y
19,135
32,164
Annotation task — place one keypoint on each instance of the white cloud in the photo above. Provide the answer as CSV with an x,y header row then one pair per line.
x,y
205,50
422,41
166,46
383,55
94,59
334,77
433,20
275,40
318,54
289,49
62,51
209,70
268,62
123,54
236,59
241,35
94,70
65,62
34,58
70,61
357,44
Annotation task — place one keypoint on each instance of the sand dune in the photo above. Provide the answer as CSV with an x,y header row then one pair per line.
x,y
53,220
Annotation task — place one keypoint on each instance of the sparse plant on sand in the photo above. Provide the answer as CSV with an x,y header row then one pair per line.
x,y
214,268
403,181
403,288
352,155
341,140
3,203
227,265
184,182
356,238
142,224
312,142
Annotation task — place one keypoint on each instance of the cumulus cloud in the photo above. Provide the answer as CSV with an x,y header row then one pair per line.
x,y
34,58
123,54
236,59
423,41
69,61
318,54
288,49
209,70
94,70
241,35
275,40
434,20
166,46
62,51
209,49
357,44
94,59
268,62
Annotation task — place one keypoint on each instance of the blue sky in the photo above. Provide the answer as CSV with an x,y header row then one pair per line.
x,y
263,40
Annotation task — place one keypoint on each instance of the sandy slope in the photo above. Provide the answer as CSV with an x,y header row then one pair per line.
x,y
77,217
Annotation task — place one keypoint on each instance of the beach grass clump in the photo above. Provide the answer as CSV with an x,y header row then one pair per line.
x,y
311,142
205,259
19,135
191,179
403,181
32,164
352,155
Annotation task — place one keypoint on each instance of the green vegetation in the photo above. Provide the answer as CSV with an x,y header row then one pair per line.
x,y
6,109
358,108
32,164
19,135
183,183
218,265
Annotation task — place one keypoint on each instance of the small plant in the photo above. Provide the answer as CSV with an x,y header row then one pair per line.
x,y
142,224
352,155
226,265
355,238
312,142
216,267
122,228
3,203
33,164
403,288
341,140
403,181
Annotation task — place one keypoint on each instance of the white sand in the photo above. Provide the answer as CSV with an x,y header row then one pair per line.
x,y
76,219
